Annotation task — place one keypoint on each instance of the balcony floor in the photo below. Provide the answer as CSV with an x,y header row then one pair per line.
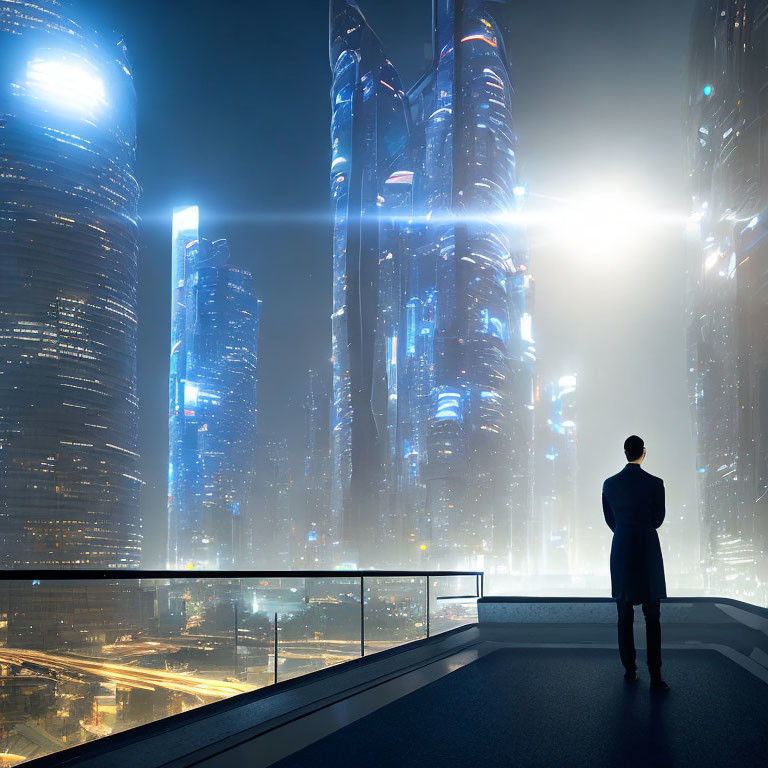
x,y
545,689
558,707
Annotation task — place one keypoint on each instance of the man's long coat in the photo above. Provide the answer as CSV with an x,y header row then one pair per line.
x,y
633,505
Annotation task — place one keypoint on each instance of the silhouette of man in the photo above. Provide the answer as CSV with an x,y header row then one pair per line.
x,y
633,505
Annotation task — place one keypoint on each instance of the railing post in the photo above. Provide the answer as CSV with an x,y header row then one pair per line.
x,y
237,665
482,583
362,616
427,606
275,648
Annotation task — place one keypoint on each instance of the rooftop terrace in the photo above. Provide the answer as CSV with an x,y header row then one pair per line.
x,y
535,682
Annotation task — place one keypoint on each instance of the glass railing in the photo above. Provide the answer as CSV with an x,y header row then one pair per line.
x,y
86,654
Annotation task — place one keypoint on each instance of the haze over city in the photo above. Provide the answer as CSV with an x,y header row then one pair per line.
x,y
433,331
613,313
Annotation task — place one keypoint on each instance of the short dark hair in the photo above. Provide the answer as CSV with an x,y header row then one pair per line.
x,y
633,447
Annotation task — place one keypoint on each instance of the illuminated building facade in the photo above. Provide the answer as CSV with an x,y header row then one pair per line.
x,y
555,477
212,403
69,485
432,337
277,539
728,284
369,142
317,475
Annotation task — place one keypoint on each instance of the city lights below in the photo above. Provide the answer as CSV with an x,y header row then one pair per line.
x,y
130,676
68,81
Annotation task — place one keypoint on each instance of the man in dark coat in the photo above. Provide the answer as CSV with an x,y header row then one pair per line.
x,y
633,505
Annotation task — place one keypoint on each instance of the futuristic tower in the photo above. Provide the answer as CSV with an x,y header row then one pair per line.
x,y
212,403
69,485
369,139
727,289
432,334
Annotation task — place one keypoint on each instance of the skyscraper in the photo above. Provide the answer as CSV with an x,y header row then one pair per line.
x,y
369,137
69,485
728,279
555,477
277,543
212,403
432,336
316,524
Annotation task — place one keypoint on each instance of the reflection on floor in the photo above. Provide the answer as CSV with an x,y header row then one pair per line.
x,y
561,707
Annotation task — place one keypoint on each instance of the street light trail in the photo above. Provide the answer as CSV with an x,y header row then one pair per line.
x,y
135,677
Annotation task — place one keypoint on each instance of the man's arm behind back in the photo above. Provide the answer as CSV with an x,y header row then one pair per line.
x,y
610,519
658,511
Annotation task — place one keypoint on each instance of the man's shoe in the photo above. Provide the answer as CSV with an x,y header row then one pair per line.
x,y
630,675
657,684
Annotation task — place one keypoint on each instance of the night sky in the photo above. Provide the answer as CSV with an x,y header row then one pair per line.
x,y
233,116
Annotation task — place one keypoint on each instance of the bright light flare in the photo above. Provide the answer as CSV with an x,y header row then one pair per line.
x,y
604,221
68,81
185,220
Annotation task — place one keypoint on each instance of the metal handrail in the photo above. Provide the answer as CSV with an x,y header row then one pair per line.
x,y
155,575
124,573
457,597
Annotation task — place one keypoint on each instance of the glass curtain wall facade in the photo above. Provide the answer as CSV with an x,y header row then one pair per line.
x,y
69,480
212,403
727,134
432,335
369,135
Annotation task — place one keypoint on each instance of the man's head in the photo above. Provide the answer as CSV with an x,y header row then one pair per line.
x,y
634,449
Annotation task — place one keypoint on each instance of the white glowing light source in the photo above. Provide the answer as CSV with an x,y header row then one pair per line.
x,y
191,392
711,260
526,328
185,220
609,220
69,81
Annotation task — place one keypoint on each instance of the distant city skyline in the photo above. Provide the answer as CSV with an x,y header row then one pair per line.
x,y
244,192
431,262
278,227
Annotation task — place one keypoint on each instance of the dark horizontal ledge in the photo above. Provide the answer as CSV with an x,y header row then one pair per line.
x,y
751,607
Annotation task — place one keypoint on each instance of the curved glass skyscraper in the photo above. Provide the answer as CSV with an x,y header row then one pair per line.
x,y
369,137
69,486
433,347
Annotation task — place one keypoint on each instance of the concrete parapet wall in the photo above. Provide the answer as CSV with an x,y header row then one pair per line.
x,y
588,611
